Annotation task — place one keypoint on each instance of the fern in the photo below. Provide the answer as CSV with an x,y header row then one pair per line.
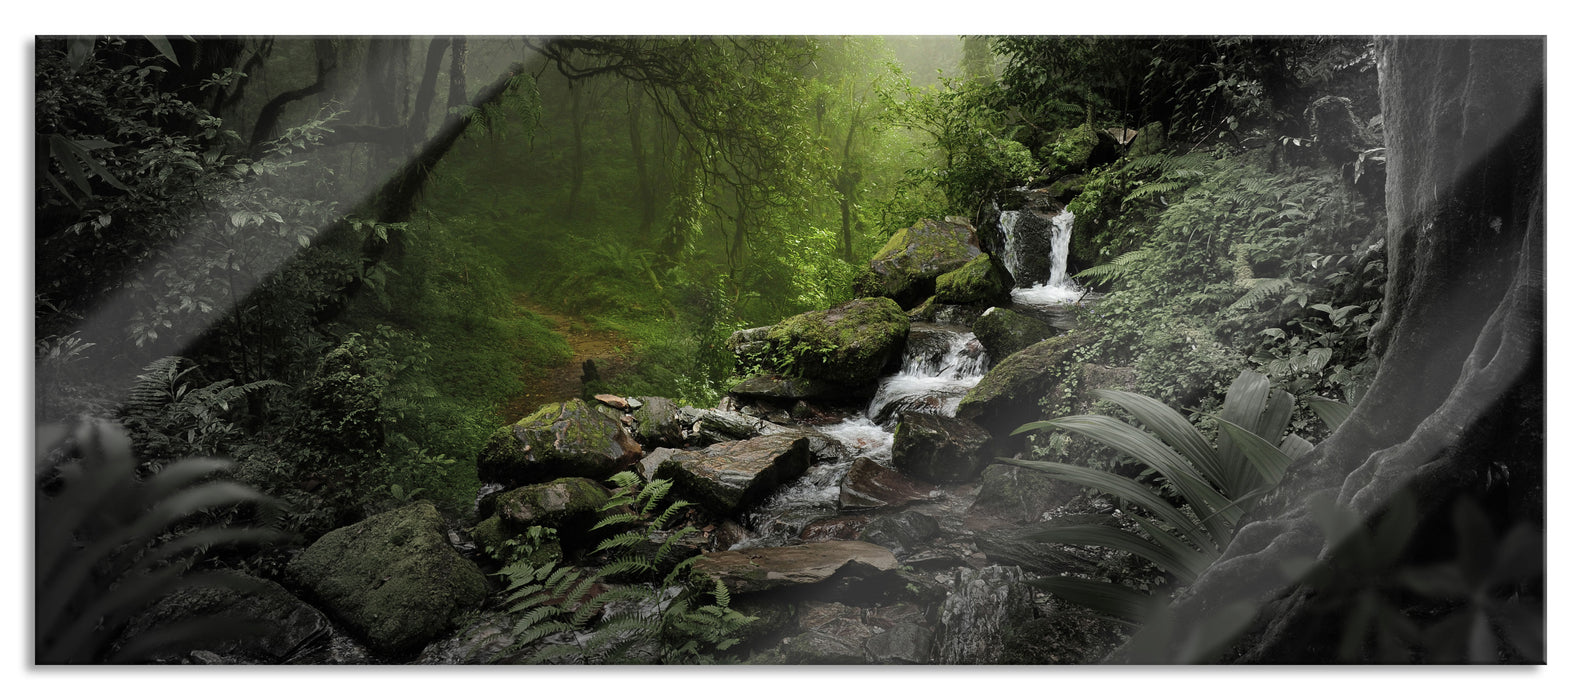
x,y
171,417
561,618
1113,270
1262,289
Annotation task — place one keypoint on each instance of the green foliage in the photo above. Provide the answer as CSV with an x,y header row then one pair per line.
x,y
171,416
680,619
108,544
1207,486
965,127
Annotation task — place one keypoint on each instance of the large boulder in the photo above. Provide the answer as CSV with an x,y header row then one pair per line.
x,y
981,282
1002,332
851,344
940,449
393,578
1009,395
901,532
558,440
731,477
906,267
814,563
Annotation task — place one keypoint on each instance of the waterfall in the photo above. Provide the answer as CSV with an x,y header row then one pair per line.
x,y
1060,289
1008,225
939,367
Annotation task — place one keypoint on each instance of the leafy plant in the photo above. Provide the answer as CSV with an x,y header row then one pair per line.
x,y
173,416
108,544
565,613
1211,484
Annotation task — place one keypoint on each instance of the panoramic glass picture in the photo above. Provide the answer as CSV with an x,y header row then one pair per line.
x,y
774,350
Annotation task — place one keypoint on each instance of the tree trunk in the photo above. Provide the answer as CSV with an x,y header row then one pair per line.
x,y
427,90
645,187
1454,417
458,74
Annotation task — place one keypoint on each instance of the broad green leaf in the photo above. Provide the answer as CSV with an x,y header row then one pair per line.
x,y
1267,461
1176,430
1110,599
1132,441
164,47
1126,489
1244,403
1332,412
1116,538
1276,416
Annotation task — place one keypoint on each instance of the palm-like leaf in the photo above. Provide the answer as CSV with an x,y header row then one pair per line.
x,y
109,544
1215,482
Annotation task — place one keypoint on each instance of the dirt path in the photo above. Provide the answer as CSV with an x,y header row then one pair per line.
x,y
606,348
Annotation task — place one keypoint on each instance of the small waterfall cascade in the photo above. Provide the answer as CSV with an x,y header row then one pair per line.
x,y
1060,289
940,365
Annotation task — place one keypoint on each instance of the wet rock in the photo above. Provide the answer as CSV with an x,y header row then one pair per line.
x,y
822,649
560,439
478,643
980,606
650,463
849,346
612,401
939,449
1062,633
1013,494
842,527
392,578
906,267
658,423
901,532
259,623
732,477
905,643
712,425
1003,332
981,282
869,484
779,568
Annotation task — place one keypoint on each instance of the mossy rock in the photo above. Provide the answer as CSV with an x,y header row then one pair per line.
x,y
850,344
1073,151
1149,140
492,534
982,282
905,268
393,578
1010,394
560,439
1003,331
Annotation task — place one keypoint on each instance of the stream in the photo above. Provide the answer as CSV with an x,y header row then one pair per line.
x,y
941,364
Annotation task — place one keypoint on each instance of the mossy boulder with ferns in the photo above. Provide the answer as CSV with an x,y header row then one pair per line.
x,y
982,282
569,505
906,267
851,344
558,440
393,578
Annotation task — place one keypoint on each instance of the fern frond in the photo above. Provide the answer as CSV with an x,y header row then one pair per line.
x,y
672,511
625,539
1262,289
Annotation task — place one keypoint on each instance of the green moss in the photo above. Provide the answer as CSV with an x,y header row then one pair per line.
x,y
393,577
852,342
1003,332
905,268
983,281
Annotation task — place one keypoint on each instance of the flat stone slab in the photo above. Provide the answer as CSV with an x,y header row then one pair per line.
x,y
771,568
731,477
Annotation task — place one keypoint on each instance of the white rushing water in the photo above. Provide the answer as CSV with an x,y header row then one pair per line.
x,y
940,365
1060,289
